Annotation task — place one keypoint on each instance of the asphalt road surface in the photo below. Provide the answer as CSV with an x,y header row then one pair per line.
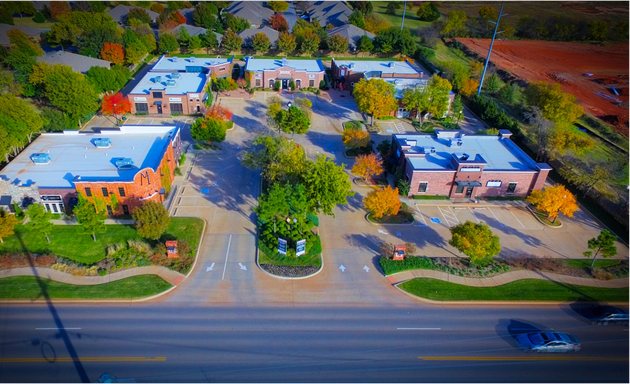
x,y
184,343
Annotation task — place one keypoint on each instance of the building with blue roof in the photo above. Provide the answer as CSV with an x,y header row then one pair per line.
x,y
266,72
123,166
449,163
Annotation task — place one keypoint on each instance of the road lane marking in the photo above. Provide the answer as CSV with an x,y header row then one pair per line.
x,y
421,215
45,329
226,257
520,358
496,218
516,218
419,329
82,359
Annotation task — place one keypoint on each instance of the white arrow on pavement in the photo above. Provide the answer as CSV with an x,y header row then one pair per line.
x,y
366,268
342,268
208,269
382,232
244,268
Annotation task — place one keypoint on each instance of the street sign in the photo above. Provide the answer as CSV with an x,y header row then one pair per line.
x,y
282,246
300,248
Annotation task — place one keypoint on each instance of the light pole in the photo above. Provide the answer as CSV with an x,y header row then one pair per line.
x,y
403,18
115,115
490,50
289,104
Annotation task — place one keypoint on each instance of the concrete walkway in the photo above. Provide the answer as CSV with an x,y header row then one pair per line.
x,y
505,278
108,221
63,277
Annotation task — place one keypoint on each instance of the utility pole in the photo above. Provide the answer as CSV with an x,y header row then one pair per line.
x,y
490,50
403,19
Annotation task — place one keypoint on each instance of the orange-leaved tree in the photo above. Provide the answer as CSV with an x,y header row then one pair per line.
x,y
354,138
554,200
113,52
382,202
220,112
367,166
115,105
469,88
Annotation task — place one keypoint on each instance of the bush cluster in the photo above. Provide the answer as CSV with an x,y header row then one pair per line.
x,y
489,111
19,260
291,233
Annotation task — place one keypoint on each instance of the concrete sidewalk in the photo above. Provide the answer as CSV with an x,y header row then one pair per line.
x,y
505,278
67,278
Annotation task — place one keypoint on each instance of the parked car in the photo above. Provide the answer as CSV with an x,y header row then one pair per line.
x,y
545,341
604,315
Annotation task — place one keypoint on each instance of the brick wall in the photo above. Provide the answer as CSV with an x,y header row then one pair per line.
x,y
220,70
301,78
65,193
189,101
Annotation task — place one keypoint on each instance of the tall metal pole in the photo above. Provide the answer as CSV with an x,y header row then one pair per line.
x,y
403,19
490,50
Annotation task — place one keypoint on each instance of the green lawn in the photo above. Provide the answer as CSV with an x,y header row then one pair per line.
x,y
412,21
522,290
265,256
27,287
27,21
586,263
68,241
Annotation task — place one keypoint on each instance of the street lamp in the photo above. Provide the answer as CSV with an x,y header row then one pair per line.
x,y
115,115
289,104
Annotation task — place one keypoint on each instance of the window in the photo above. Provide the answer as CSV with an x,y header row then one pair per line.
x,y
88,192
493,183
125,209
105,192
460,189
511,187
109,210
258,82
157,95
423,187
121,192
192,100
47,207
221,69
271,81
142,107
311,83
176,108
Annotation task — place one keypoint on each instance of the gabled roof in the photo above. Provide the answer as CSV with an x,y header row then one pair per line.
x,y
330,12
79,63
188,14
29,31
119,12
253,11
192,30
350,32
247,35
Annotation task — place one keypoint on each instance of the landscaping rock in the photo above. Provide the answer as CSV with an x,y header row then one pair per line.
x,y
286,271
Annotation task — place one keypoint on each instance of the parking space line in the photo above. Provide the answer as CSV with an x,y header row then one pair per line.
x,y
516,218
421,215
453,213
152,120
473,213
446,214
496,218
226,257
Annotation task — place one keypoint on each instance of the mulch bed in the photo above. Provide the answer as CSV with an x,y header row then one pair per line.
x,y
286,271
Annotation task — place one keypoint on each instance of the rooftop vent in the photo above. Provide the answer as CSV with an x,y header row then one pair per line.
x,y
170,83
192,59
391,64
461,156
411,143
102,143
429,149
124,163
175,58
175,75
284,61
40,158
351,65
456,142
157,79
398,81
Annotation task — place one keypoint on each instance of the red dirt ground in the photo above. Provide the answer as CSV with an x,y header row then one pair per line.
x,y
566,64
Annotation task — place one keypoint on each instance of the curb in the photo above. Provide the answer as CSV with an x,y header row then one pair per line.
x,y
373,223
288,277
540,221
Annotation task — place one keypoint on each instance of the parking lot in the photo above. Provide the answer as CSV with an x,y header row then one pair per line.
x,y
494,216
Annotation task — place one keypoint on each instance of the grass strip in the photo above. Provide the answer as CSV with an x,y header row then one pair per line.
x,y
27,287
266,256
521,290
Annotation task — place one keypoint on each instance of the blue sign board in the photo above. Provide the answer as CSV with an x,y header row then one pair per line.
x,y
205,190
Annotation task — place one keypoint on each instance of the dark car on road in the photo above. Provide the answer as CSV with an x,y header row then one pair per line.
x,y
604,315
546,341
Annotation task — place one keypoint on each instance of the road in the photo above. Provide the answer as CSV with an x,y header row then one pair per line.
x,y
171,343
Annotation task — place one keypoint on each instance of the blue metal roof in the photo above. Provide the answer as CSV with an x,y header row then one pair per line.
x,y
177,63
256,65
171,84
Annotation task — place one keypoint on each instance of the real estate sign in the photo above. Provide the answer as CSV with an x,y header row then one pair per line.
x,y
282,246
300,248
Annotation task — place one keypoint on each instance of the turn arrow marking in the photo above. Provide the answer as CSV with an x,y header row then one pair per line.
x,y
343,269
366,268
244,268
208,269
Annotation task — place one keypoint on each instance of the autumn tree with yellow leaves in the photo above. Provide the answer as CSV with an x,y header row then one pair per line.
x,y
354,138
382,202
376,97
367,166
554,200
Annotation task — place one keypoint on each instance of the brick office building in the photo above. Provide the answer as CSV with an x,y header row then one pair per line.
x,y
345,73
124,167
451,164
266,72
177,85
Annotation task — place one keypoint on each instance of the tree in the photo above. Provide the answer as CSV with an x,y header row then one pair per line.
x,y
455,23
492,83
365,7
19,40
115,105
183,37
237,24
18,123
391,9
278,6
554,200
89,218
338,43
6,16
309,43
157,7
168,43
365,44
108,80
286,43
487,14
138,14
58,8
279,23
39,18
167,25
39,219
114,53
279,159
356,19
135,52
93,41
376,97
209,129
275,203
555,104
469,87
204,15
586,176
457,108
151,219
326,185
231,41
293,121
375,24
57,120
433,98
428,11
355,138
475,241
260,42
510,94
219,112
382,202
367,166
7,224
476,68
564,138
209,41
393,40
598,30
603,244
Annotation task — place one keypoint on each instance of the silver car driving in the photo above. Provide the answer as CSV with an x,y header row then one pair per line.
x,y
546,341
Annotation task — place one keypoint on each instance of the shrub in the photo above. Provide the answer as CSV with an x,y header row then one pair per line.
x,y
177,171
322,84
602,275
102,272
386,118
390,266
140,246
292,85
435,197
182,159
